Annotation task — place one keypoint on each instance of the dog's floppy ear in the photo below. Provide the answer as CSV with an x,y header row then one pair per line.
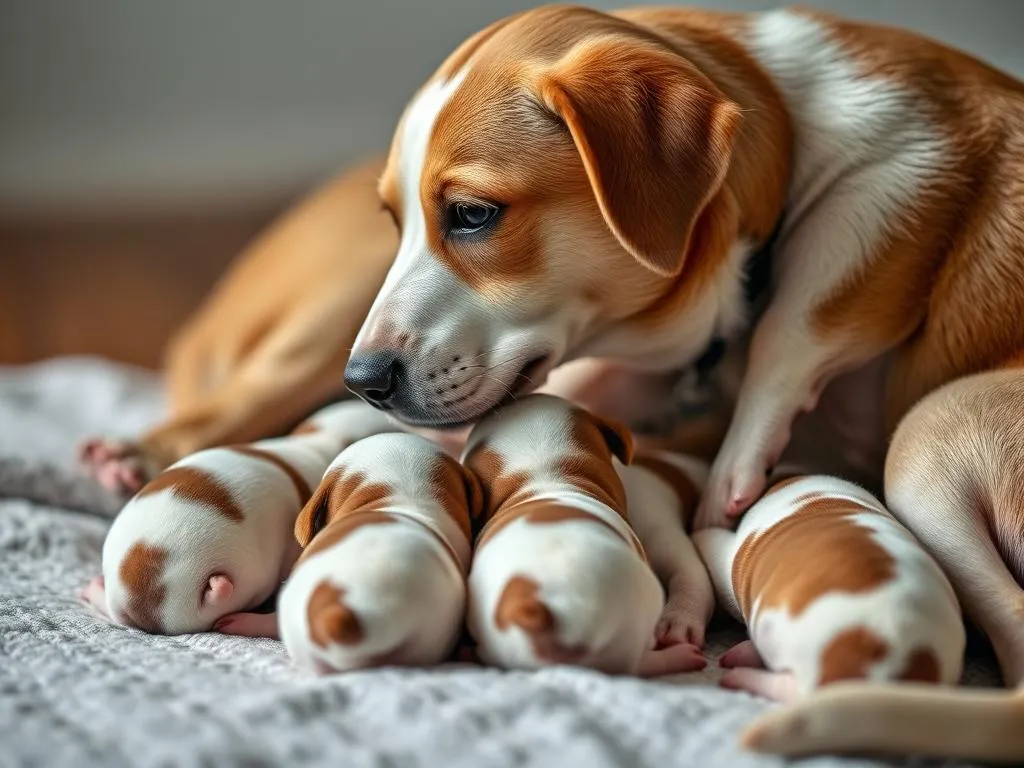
x,y
617,435
655,137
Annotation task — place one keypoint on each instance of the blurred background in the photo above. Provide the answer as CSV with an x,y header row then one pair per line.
x,y
142,144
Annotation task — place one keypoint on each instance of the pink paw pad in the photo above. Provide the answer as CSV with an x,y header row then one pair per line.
x,y
116,466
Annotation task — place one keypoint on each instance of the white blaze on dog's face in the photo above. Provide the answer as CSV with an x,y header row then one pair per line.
x,y
547,182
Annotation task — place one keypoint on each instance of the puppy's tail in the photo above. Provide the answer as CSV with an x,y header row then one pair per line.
x,y
896,719
520,606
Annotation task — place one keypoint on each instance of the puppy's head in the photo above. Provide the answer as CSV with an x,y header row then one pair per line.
x,y
389,471
181,555
542,439
549,183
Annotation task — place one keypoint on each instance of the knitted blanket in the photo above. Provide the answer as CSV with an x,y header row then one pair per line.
x,y
76,691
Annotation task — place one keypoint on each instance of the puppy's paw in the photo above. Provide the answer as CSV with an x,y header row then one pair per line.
x,y
741,655
119,466
94,594
248,625
777,686
672,660
680,624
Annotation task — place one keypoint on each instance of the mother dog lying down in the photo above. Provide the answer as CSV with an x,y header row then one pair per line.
x,y
542,222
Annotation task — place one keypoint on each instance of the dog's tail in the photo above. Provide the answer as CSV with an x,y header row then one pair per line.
x,y
520,606
897,719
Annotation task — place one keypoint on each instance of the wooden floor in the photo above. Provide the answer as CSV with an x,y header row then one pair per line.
x,y
112,286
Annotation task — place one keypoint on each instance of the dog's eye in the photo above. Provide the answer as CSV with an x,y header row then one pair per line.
x,y
465,218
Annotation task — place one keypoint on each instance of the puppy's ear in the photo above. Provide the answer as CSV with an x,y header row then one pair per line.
x,y
655,137
474,495
617,435
315,515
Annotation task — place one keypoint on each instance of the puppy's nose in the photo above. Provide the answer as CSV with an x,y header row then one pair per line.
x,y
374,376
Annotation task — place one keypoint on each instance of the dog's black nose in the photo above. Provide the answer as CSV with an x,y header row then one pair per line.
x,y
374,376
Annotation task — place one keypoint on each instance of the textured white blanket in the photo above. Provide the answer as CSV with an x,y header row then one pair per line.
x,y
75,691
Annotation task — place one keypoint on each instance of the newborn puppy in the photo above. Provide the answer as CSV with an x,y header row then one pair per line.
x,y
559,575
831,588
663,491
383,578
212,535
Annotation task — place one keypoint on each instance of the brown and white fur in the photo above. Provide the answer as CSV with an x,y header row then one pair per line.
x,y
831,587
210,538
955,477
887,160
382,577
560,576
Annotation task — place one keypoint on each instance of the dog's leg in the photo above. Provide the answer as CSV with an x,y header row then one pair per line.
x,y
282,382
955,477
271,342
852,283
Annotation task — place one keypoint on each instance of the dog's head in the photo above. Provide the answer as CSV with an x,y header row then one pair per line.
x,y
549,183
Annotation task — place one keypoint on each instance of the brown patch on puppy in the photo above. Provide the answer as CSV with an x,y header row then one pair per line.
x,y
835,555
454,488
142,573
301,486
342,527
851,654
922,667
338,494
685,489
520,606
195,485
589,466
499,487
545,511
330,620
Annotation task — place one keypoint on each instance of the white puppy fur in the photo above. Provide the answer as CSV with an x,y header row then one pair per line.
x,y
212,535
832,587
559,575
383,578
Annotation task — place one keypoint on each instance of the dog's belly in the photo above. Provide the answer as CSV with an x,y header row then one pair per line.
x,y
845,434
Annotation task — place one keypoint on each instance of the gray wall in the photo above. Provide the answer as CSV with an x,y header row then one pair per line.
x,y
142,101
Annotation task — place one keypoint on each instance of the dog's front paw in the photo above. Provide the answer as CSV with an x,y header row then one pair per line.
x,y
734,485
672,660
119,466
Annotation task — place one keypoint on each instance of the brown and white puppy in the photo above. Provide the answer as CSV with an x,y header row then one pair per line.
x,y
955,477
211,537
559,575
831,587
382,578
